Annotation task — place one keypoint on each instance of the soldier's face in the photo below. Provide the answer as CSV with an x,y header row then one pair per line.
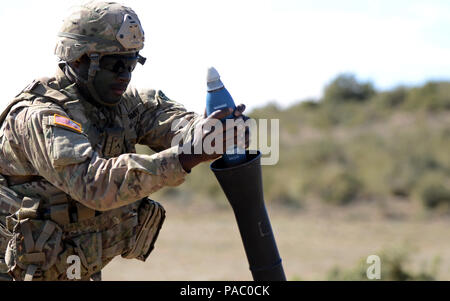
x,y
112,79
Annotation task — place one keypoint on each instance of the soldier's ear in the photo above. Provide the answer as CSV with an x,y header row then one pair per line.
x,y
76,64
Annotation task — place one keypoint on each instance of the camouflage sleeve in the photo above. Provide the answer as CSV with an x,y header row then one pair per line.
x,y
65,158
164,122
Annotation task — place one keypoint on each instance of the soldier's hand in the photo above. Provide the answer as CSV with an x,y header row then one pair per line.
x,y
214,129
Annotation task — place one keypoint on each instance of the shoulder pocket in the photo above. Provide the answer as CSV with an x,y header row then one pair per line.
x,y
68,146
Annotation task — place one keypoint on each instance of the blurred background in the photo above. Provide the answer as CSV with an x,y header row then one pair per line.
x,y
362,92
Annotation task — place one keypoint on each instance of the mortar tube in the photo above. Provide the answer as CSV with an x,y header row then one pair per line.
x,y
242,185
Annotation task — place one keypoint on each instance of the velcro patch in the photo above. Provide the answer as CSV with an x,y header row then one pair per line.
x,y
66,122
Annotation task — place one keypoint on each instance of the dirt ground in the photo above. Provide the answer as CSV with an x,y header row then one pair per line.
x,y
198,243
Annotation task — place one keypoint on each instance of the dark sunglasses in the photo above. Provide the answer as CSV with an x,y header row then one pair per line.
x,y
120,63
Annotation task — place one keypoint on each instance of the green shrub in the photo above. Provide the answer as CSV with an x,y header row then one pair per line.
x,y
321,152
433,191
392,99
340,187
310,104
435,195
345,87
403,176
394,267
433,96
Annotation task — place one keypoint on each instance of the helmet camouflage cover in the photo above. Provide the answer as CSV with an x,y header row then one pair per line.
x,y
101,28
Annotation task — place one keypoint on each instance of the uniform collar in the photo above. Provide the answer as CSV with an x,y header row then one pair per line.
x,y
61,77
70,88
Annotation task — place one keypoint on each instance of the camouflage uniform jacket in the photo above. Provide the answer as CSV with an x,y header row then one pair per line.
x,y
88,152
81,158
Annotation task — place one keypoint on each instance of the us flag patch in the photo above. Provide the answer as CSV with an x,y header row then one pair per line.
x,y
66,122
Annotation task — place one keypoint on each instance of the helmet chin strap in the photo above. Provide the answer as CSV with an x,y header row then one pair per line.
x,y
94,66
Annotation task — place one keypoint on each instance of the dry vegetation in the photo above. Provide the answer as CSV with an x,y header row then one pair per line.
x,y
322,243
361,172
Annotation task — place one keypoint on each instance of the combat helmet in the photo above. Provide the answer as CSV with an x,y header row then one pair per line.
x,y
96,29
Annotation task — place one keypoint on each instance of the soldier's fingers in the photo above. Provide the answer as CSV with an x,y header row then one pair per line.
x,y
212,125
221,114
204,114
228,143
239,110
228,135
238,123
242,140
247,139
228,124
235,139
211,157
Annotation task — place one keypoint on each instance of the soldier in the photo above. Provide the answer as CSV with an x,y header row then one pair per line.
x,y
70,180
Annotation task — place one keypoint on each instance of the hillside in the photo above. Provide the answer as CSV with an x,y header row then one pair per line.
x,y
355,144
360,172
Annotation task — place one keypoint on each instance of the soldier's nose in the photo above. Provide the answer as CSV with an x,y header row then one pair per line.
x,y
124,77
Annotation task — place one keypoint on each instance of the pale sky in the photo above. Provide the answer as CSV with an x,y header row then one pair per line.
x,y
280,50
